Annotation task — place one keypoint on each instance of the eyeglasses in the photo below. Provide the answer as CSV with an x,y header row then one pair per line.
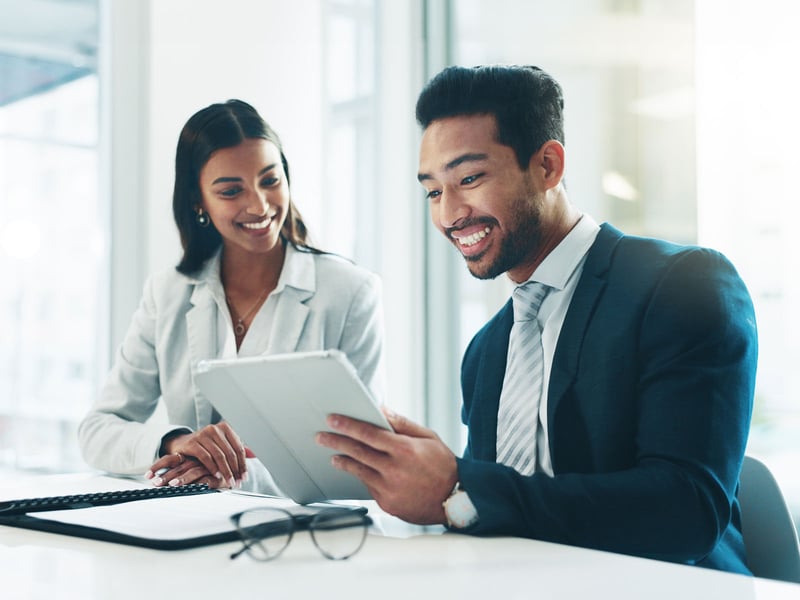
x,y
338,533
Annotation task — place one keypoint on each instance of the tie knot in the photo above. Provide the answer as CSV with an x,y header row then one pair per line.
x,y
527,299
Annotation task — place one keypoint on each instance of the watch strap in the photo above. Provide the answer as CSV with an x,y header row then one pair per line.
x,y
459,509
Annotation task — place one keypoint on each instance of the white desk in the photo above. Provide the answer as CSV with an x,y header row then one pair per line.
x,y
36,565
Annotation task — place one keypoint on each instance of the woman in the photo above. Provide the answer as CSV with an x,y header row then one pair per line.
x,y
248,283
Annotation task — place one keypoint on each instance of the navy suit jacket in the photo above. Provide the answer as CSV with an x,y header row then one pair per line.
x,y
648,410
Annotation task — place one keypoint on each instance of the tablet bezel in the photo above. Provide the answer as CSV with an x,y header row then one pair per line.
x,y
277,404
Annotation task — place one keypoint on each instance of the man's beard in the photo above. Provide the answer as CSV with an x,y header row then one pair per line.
x,y
519,243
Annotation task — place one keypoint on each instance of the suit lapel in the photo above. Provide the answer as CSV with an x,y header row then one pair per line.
x,y
489,384
570,340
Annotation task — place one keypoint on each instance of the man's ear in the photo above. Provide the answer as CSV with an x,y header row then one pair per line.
x,y
549,160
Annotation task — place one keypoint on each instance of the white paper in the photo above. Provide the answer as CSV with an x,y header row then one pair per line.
x,y
173,518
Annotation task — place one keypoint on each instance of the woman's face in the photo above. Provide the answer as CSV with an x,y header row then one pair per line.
x,y
246,195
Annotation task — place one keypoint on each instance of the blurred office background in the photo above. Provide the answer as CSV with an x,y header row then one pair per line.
x,y
681,123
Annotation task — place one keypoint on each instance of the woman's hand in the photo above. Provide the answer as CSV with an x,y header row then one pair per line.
x,y
177,469
216,448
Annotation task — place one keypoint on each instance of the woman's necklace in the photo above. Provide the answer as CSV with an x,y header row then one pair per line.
x,y
240,328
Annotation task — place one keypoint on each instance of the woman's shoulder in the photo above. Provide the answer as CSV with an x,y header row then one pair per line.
x,y
331,266
168,286
169,279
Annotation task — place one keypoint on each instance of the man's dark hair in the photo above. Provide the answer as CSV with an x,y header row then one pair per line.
x,y
526,102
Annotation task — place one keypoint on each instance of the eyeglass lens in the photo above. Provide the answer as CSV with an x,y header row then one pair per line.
x,y
338,534
266,532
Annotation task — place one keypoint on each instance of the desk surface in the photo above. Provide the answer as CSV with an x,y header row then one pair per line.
x,y
405,562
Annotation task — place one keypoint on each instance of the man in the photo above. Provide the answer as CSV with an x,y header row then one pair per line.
x,y
636,374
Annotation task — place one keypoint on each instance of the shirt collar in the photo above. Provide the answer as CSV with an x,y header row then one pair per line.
x,y
558,266
298,271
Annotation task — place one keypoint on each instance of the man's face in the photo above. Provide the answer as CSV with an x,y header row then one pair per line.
x,y
480,199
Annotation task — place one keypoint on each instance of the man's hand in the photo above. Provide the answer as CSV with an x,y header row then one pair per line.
x,y
409,471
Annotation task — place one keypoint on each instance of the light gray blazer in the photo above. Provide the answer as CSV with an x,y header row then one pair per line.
x,y
321,302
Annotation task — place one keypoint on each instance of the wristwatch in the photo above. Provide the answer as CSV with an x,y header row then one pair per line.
x,y
459,509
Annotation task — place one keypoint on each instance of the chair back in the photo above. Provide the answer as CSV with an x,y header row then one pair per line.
x,y
770,535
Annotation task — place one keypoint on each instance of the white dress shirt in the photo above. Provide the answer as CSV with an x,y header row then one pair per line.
x,y
561,270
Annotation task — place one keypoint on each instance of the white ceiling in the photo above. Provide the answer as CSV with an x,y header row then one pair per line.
x,y
44,43
58,30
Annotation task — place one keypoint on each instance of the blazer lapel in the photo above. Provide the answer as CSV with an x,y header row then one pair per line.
x,y
291,314
201,331
297,284
570,340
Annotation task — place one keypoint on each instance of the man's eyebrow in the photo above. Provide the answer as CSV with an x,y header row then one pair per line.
x,y
267,168
235,179
469,157
465,158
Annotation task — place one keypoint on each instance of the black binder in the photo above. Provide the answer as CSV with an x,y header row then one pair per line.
x,y
106,535
37,509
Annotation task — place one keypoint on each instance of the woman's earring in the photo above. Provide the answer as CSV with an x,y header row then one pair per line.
x,y
202,218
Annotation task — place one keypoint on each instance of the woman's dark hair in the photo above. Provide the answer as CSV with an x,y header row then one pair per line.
x,y
219,126
526,102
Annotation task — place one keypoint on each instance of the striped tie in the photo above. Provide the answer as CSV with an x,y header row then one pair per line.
x,y
518,414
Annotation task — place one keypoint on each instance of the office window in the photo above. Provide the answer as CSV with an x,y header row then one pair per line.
x,y
627,70
52,237
629,114
349,209
747,131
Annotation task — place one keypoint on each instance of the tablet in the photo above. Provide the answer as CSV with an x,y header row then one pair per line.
x,y
277,404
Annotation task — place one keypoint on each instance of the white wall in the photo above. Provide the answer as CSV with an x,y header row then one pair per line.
x,y
267,53
748,126
168,58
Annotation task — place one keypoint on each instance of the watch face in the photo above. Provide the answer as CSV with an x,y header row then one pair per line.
x,y
460,510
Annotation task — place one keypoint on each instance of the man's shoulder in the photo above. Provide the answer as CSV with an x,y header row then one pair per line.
x,y
636,269
612,239
642,256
